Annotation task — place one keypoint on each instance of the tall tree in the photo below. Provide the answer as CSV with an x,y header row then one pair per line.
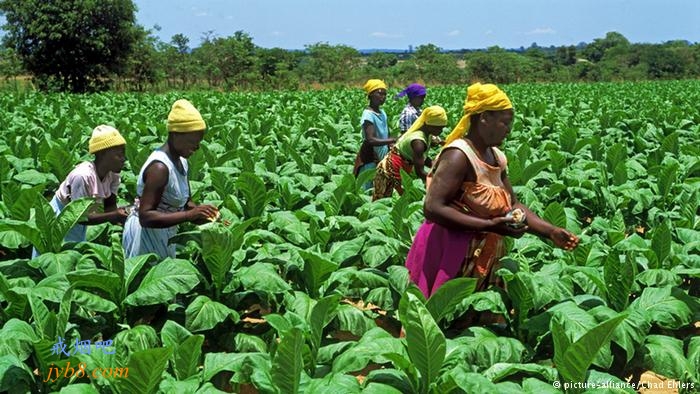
x,y
71,44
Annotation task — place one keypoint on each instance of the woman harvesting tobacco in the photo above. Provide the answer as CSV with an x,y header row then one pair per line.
x,y
470,205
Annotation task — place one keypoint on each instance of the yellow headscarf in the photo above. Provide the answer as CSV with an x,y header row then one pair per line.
x,y
431,116
480,98
374,84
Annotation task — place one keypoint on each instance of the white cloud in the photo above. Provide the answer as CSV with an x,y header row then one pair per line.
x,y
201,13
488,32
276,33
542,30
381,34
453,33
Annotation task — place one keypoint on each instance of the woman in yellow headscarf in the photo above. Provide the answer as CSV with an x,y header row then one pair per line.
x,y
470,204
409,152
375,130
163,190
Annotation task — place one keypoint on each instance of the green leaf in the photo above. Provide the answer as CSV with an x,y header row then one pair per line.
x,y
321,314
630,334
104,280
532,170
262,277
172,334
145,370
218,246
204,314
449,295
426,343
187,356
71,214
661,241
619,277
163,282
316,270
572,359
660,307
555,214
254,192
287,365
664,355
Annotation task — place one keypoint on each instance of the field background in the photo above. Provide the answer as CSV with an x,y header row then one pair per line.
x,y
305,290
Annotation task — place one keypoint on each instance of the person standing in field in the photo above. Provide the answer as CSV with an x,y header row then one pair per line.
x,y
375,130
470,205
98,179
409,153
163,188
416,96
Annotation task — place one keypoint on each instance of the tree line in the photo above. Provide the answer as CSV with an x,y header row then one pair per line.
x,y
79,46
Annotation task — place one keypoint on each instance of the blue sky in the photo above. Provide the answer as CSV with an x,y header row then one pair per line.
x,y
449,24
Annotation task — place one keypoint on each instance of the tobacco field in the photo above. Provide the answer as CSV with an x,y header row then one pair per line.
x,y
303,288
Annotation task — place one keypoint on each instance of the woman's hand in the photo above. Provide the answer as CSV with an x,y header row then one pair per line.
x,y
503,225
563,238
202,213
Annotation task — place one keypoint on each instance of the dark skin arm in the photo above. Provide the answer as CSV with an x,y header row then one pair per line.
x,y
419,159
155,180
561,237
111,213
371,135
454,169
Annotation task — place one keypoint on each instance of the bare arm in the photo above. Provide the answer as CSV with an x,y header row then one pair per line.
x,y
155,180
418,147
371,135
451,173
111,213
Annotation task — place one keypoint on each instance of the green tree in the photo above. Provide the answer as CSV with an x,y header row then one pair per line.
x,y
437,66
71,44
329,63
381,60
145,66
234,58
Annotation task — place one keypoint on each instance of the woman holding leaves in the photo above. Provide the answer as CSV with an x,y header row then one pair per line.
x,y
163,188
375,129
470,204
409,153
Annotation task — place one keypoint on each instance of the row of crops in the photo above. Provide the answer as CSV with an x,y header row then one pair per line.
x,y
305,290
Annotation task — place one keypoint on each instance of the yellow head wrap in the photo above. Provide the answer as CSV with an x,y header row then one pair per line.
x,y
480,98
104,137
431,116
374,84
184,118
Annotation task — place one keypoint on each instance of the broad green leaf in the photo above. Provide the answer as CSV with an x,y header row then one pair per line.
x,y
145,369
619,277
661,242
288,365
630,334
555,214
316,270
163,282
187,355
661,308
424,339
449,295
664,355
204,314
173,334
574,358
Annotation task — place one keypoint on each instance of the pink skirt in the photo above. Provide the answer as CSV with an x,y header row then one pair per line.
x,y
436,256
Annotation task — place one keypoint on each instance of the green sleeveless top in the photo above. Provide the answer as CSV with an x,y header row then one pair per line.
x,y
403,144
